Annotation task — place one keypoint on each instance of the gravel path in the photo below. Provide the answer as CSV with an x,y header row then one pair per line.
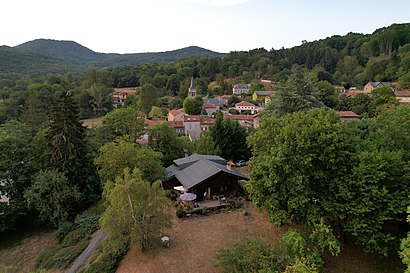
x,y
82,260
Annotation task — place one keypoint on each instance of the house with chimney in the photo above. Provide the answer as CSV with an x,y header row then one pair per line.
x,y
240,88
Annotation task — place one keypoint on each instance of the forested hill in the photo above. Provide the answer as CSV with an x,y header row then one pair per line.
x,y
64,50
41,57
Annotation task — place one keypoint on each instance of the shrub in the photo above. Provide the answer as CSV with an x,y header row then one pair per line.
x,y
180,213
109,254
62,231
253,256
88,220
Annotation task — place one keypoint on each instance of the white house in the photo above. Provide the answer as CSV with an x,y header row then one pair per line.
x,y
245,106
240,88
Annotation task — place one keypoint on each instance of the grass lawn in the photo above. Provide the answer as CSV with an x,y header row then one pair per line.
x,y
195,241
19,250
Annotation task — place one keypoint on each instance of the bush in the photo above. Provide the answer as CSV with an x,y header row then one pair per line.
x,y
180,213
171,195
62,231
109,254
88,220
253,256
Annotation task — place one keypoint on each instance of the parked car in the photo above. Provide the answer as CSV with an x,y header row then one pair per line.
x,y
240,163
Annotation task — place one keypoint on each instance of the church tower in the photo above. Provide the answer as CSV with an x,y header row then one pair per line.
x,y
192,90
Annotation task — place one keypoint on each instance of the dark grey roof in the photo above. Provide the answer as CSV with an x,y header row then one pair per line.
x,y
192,86
264,93
241,85
193,170
211,101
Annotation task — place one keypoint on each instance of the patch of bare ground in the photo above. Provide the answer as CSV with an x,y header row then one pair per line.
x,y
195,241
19,251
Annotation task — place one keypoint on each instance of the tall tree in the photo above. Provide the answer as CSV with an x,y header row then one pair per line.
x,y
193,106
101,98
147,97
295,95
230,138
17,167
68,149
136,209
33,114
206,145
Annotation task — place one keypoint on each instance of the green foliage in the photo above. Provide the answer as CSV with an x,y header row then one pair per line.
x,y
404,81
147,97
101,98
115,156
295,95
230,138
253,256
326,93
162,138
17,167
125,121
206,146
73,239
405,247
52,196
136,210
193,106
108,255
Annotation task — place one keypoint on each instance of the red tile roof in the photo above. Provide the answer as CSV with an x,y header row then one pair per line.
x,y
176,123
240,117
403,93
352,93
348,114
191,118
176,111
244,103
209,106
150,123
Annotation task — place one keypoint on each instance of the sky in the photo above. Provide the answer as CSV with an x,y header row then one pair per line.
x,y
134,26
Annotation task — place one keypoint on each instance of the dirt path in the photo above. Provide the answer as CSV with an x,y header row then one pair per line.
x,y
82,260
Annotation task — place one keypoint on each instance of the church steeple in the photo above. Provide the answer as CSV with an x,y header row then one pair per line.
x,y
192,90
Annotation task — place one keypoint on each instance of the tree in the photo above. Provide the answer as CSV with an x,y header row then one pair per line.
x,y
404,81
33,114
17,167
233,100
383,97
101,98
405,247
230,138
68,148
125,121
297,159
326,93
147,97
116,156
295,95
173,84
52,196
163,139
206,145
193,106
156,113
136,209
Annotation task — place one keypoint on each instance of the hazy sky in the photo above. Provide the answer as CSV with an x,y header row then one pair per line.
x,y
132,26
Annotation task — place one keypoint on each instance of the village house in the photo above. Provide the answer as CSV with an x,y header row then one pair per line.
x,y
204,175
243,120
240,88
210,105
264,96
120,94
176,115
403,96
347,115
223,100
245,106
368,88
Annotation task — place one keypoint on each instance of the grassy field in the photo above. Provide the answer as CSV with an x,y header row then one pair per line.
x,y
195,241
19,250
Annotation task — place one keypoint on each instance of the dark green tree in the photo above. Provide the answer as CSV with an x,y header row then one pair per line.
x,y
68,148
193,106
147,97
230,138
